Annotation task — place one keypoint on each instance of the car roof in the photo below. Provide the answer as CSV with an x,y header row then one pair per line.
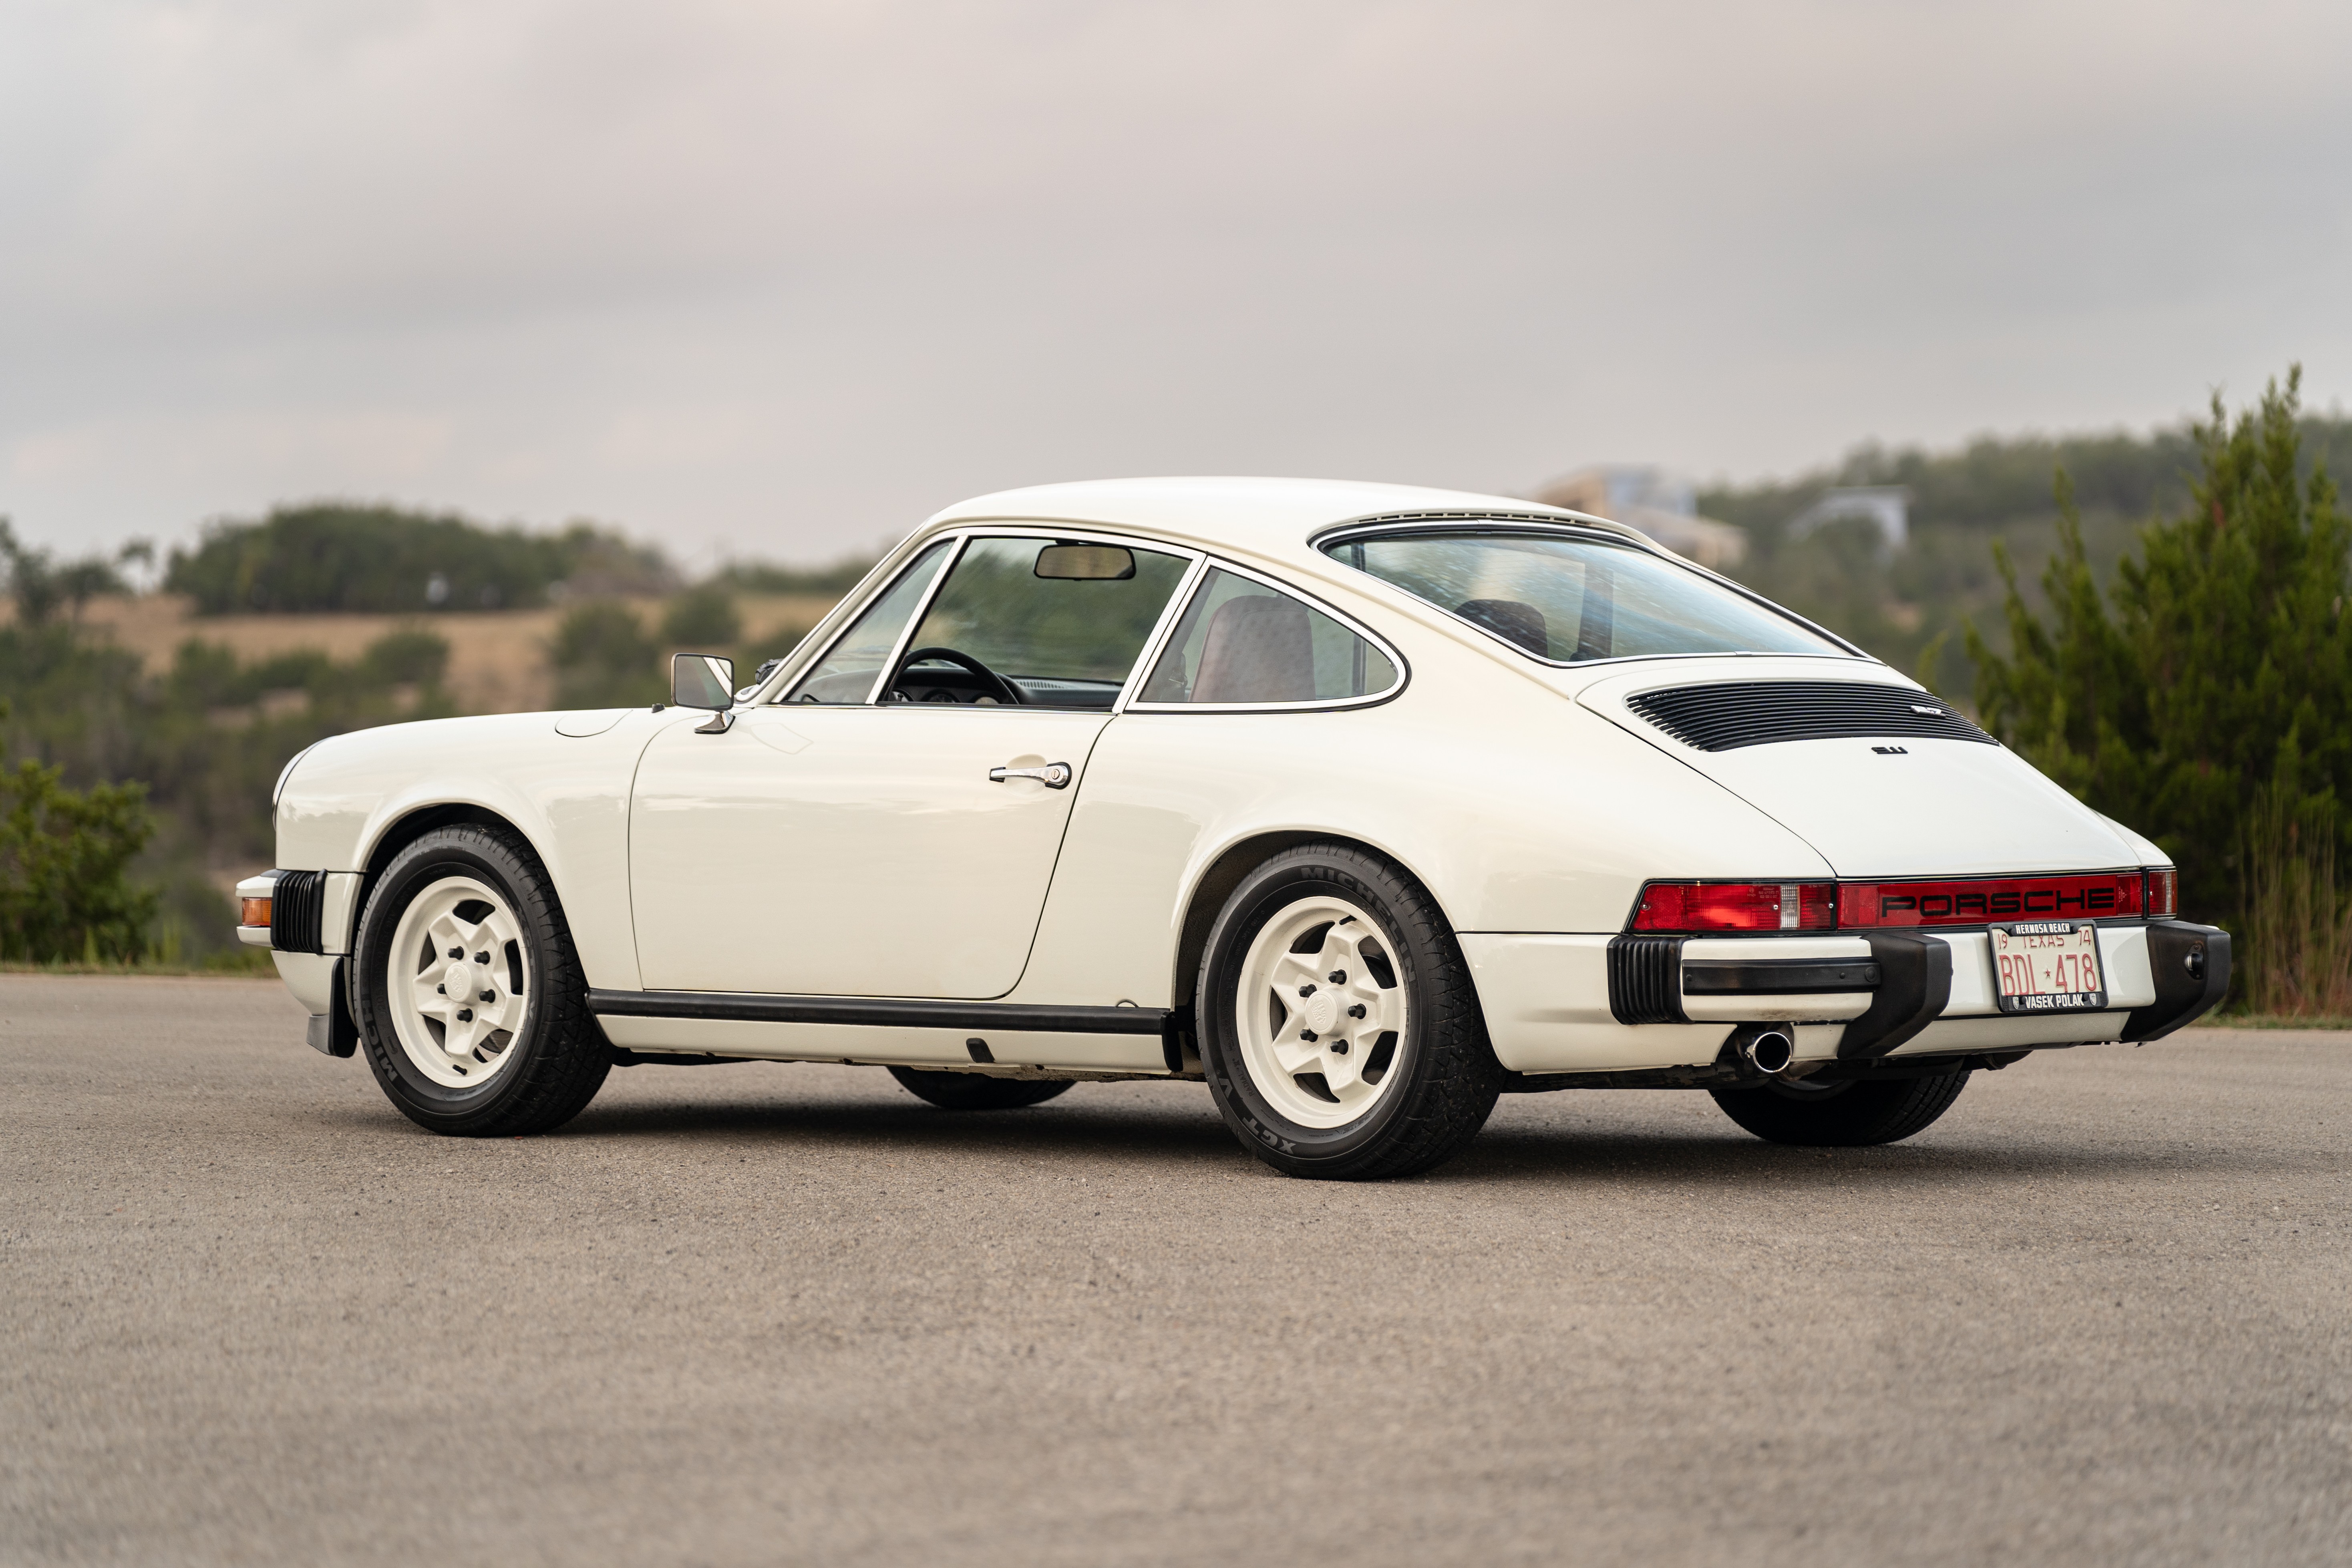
x,y
1272,518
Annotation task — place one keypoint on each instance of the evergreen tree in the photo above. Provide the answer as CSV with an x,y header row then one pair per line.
x,y
2211,687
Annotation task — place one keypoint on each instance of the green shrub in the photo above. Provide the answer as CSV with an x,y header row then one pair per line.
x,y
602,659
702,620
412,656
65,857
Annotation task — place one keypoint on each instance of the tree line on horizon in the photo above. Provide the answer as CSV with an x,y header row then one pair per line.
x,y
327,557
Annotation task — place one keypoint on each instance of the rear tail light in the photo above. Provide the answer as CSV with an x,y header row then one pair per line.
x,y
2107,895
256,912
1694,908
1688,907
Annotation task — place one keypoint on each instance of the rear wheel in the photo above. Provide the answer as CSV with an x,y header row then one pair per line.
x,y
978,1091
1339,1028
1842,1115
471,1008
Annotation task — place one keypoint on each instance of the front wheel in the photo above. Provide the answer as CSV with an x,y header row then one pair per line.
x,y
1848,1115
471,1006
1339,1032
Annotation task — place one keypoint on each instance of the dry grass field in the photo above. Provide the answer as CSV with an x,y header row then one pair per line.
x,y
497,659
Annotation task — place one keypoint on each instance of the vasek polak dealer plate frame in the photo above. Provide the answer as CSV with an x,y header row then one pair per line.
x,y
2038,965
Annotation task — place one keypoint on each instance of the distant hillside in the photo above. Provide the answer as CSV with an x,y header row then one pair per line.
x,y
341,556
1960,502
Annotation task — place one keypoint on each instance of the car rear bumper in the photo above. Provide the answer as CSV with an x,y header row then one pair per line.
x,y
1609,1003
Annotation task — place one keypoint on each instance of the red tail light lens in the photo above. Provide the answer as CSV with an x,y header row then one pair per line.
x,y
1688,907
2163,892
2108,895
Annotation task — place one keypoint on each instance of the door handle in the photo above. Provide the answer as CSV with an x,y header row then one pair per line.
x,y
1052,776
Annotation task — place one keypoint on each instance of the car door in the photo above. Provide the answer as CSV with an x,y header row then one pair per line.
x,y
890,827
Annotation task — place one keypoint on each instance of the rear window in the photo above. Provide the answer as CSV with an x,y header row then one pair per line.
x,y
1571,599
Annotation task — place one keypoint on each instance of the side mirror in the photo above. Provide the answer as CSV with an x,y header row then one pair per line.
x,y
701,681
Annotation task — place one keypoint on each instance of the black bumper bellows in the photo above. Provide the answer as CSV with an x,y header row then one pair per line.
x,y
1645,980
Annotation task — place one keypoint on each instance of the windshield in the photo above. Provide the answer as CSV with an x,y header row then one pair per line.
x,y
1571,599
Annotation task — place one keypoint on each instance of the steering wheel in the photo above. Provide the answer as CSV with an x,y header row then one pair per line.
x,y
1004,692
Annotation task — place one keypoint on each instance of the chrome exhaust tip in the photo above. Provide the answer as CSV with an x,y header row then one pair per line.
x,y
1769,1051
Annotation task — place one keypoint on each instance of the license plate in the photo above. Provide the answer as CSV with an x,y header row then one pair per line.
x,y
2047,966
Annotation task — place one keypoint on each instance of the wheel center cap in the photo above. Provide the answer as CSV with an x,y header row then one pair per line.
x,y
459,980
1322,1011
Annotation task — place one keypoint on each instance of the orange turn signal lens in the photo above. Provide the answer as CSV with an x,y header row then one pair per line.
x,y
256,912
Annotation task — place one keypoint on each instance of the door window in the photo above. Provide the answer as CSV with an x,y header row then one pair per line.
x,y
1242,642
850,668
1038,623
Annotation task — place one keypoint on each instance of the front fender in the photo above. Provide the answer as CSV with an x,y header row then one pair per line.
x,y
567,795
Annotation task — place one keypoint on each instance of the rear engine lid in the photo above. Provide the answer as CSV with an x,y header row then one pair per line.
x,y
1878,775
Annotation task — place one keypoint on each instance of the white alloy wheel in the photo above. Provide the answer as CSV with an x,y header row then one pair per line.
x,y
1319,1013
459,982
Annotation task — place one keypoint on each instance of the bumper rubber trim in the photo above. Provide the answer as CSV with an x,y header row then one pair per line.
x,y
333,1031
1778,976
2183,993
1915,983
760,1007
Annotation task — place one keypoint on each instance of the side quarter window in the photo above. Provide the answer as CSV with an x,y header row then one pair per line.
x,y
1241,642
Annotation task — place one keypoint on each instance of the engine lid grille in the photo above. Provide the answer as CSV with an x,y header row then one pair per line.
x,y
1726,715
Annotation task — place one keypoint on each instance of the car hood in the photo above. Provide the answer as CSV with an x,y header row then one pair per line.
x,y
1879,805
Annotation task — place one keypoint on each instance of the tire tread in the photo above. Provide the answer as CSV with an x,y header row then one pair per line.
x,y
1869,1113
562,1077
1460,1080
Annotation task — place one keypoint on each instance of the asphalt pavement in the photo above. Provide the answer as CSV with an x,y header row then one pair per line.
x,y
2100,1313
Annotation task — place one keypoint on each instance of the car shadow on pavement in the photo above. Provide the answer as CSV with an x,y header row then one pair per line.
x,y
1190,1131
1059,1128
1549,1157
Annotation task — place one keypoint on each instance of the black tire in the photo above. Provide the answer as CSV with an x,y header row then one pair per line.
x,y
562,1056
1842,1115
976,1090
1446,1080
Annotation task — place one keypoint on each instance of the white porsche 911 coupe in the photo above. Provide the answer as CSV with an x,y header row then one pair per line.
x,y
1365,805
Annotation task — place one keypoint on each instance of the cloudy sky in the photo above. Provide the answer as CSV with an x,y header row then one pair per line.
x,y
778,278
